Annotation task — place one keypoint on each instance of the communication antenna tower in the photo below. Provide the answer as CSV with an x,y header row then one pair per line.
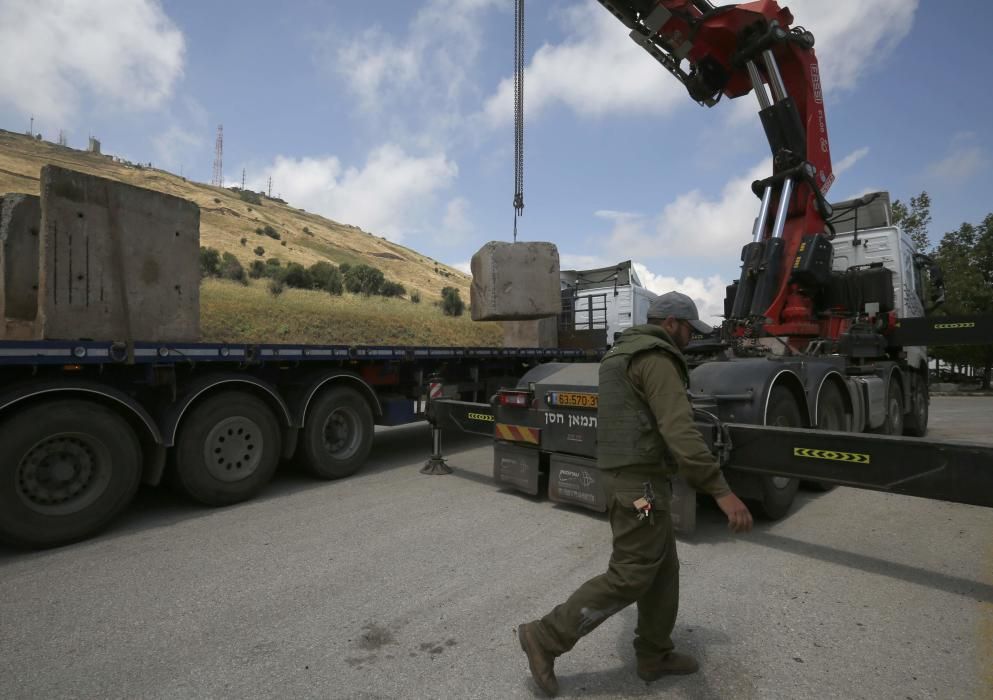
x,y
242,178
269,192
218,179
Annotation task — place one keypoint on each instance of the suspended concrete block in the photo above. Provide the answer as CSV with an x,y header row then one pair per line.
x,y
20,216
515,282
117,262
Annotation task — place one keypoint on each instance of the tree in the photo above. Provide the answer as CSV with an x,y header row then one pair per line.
x,y
210,262
915,219
451,302
297,276
276,287
364,279
966,259
257,269
392,289
231,269
259,250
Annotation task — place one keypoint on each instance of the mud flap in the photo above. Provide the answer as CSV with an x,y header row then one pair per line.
x,y
577,481
517,467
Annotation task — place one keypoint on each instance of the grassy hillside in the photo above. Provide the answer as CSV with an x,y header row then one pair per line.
x,y
235,313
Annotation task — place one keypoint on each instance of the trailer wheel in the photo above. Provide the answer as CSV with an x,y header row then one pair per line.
x,y
778,492
337,434
915,422
67,467
227,449
893,425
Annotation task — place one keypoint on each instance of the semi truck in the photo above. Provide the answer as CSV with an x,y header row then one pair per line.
x,y
824,334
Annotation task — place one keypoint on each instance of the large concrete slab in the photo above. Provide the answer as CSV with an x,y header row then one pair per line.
x,y
515,282
19,221
118,262
542,333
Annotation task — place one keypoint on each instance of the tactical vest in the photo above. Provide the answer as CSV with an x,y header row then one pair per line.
x,y
627,432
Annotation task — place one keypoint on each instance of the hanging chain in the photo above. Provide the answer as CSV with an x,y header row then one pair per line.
x,y
518,112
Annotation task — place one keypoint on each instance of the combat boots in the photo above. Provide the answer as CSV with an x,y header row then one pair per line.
x,y
670,664
540,661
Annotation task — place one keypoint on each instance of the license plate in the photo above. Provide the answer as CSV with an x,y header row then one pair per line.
x,y
572,399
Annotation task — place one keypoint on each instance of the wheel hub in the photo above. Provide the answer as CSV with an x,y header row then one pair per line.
x,y
62,474
341,434
233,449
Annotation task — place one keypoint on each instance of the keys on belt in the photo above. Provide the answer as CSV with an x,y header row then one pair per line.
x,y
646,504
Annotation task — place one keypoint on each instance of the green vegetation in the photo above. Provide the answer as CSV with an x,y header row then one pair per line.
x,y
210,262
231,269
451,302
233,313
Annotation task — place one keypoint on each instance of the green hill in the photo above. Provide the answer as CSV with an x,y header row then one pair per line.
x,y
233,313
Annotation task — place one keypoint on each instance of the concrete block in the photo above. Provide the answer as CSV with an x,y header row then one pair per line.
x,y
542,333
117,262
20,219
515,282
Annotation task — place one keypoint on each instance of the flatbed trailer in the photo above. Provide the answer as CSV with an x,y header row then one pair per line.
x,y
83,423
536,452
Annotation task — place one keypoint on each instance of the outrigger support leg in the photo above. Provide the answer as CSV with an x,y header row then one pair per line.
x,y
436,463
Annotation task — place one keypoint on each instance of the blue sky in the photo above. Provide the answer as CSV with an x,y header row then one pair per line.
x,y
396,117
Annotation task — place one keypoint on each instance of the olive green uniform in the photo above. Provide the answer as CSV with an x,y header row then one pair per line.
x,y
645,433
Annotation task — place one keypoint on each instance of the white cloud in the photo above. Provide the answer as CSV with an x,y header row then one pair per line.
x,y
853,36
850,160
693,224
965,159
464,266
456,225
708,293
597,70
125,53
390,195
420,79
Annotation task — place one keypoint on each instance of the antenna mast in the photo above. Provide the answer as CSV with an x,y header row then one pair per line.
x,y
218,178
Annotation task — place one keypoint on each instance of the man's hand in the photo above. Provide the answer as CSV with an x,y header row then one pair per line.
x,y
739,519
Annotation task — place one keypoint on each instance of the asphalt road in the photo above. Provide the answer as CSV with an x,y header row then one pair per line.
x,y
392,584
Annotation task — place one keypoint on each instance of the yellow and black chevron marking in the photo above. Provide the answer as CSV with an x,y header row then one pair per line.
x,y
855,457
479,416
953,326
518,433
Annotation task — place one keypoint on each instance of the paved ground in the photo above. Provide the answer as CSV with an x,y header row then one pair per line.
x,y
395,584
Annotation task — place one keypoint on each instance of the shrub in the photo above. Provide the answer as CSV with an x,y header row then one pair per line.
x,y
392,289
231,269
451,302
250,197
275,286
344,267
415,297
297,276
273,262
320,272
257,269
217,200
244,240
335,283
307,231
271,232
259,250
283,244
364,279
210,262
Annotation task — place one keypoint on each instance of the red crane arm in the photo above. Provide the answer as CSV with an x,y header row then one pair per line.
x,y
733,50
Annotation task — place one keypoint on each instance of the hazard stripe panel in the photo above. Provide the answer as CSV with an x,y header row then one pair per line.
x,y
832,455
518,433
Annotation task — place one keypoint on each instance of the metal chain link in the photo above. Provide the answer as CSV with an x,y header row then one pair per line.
x,y
518,112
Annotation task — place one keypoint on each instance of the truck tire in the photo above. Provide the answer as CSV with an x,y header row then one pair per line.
x,y
227,449
831,415
778,492
337,434
915,422
67,468
893,425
